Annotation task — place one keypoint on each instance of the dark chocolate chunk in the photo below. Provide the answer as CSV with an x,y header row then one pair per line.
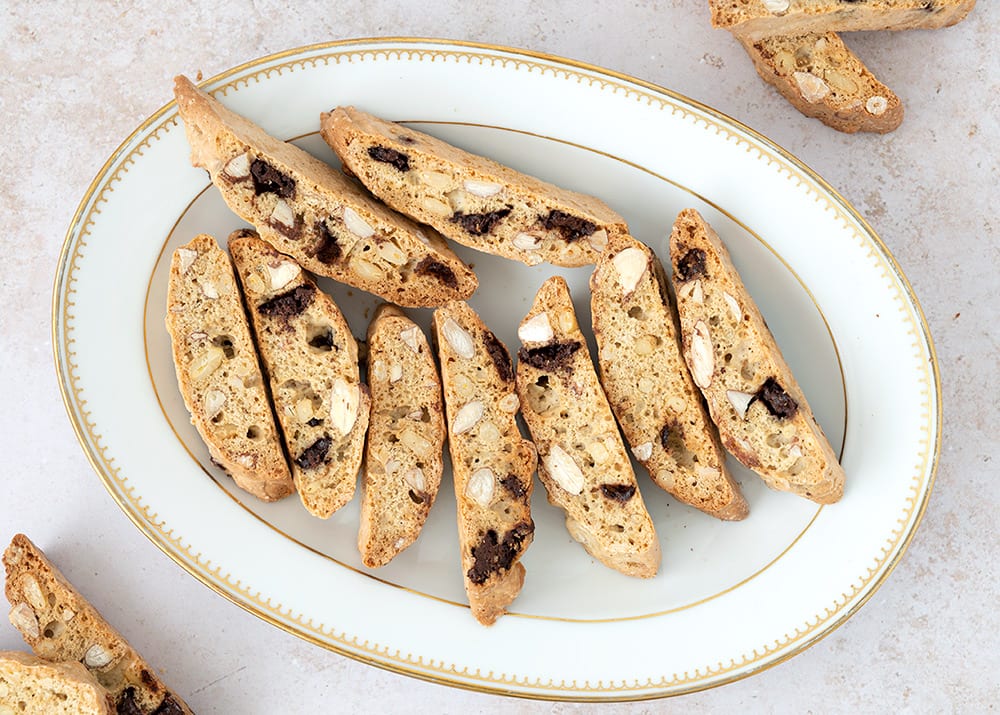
x,y
571,227
126,703
549,357
513,485
493,554
499,355
169,706
436,269
314,422
480,224
322,341
390,156
618,492
778,402
293,232
315,454
417,497
665,435
326,249
267,179
287,305
147,678
691,265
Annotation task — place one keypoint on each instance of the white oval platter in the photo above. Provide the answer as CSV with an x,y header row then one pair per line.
x,y
731,598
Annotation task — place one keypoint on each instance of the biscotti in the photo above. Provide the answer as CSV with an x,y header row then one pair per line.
x,y
60,625
754,19
823,79
468,198
311,361
218,371
762,414
648,385
492,465
310,211
30,685
404,458
582,461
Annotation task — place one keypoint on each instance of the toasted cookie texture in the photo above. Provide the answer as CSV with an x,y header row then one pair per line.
x,y
648,385
218,370
492,464
60,625
312,212
311,361
404,460
34,686
582,460
755,19
823,79
762,414
469,198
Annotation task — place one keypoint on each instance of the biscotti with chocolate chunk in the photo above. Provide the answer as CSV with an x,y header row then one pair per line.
x,y
403,459
218,371
311,361
30,685
755,19
469,198
61,625
492,465
823,79
582,461
312,212
659,408
762,414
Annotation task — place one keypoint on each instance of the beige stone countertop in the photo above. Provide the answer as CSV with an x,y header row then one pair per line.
x,y
78,77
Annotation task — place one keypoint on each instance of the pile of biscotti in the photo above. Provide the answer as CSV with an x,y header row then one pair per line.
x,y
795,46
270,372
80,664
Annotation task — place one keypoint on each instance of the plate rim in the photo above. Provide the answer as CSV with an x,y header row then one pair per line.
x,y
61,363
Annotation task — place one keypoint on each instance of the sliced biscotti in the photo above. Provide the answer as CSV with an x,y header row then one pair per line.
x,y
218,372
30,685
583,463
761,413
468,198
492,465
311,361
823,79
755,19
403,459
647,383
60,625
315,214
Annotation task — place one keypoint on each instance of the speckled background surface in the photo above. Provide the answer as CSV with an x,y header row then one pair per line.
x,y
79,76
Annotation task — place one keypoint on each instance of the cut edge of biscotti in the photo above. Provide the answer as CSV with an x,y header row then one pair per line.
x,y
822,78
36,685
647,383
59,624
588,474
312,212
759,408
218,371
754,19
310,358
492,464
406,435
468,198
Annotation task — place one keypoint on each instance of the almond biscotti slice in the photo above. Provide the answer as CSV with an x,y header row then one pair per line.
x,y
468,198
311,360
492,465
755,19
315,214
403,460
761,413
647,383
823,79
60,625
218,371
30,685
584,466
